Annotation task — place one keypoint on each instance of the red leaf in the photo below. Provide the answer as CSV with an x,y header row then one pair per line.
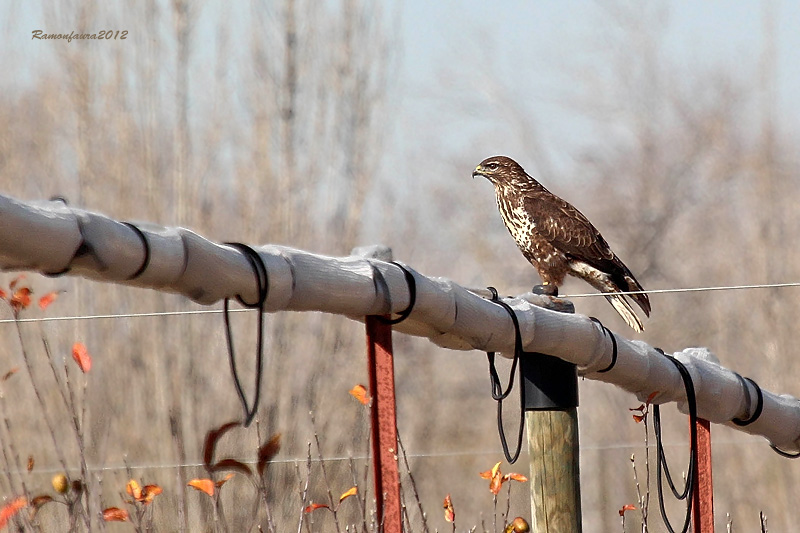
x,y
47,299
516,477
651,397
359,392
449,512
203,485
638,418
30,463
82,357
21,299
267,452
149,492
315,506
211,441
626,507
3,294
15,281
10,509
115,514
641,408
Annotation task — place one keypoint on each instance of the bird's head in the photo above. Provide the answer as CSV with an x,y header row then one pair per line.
x,y
502,170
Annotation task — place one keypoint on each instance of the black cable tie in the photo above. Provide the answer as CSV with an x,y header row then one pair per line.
x,y
262,281
759,403
497,388
146,244
412,298
608,332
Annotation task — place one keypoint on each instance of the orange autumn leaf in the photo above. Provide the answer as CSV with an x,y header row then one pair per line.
x,y
359,392
626,507
3,294
30,463
449,511
489,474
314,507
203,485
638,418
496,478
8,511
47,299
149,492
21,299
515,477
350,492
133,489
16,281
82,357
651,397
115,514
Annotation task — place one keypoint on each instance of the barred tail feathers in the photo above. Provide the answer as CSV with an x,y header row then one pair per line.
x,y
625,310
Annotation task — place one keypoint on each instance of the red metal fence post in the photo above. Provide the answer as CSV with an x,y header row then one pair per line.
x,y
703,499
384,425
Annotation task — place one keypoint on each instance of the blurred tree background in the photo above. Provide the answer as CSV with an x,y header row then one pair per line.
x,y
288,122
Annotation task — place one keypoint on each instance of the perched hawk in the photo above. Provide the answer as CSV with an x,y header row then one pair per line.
x,y
557,239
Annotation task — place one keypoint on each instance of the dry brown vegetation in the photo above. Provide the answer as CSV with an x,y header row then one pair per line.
x,y
274,133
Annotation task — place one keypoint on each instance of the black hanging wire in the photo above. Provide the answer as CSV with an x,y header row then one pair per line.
x,y
497,388
661,463
412,298
262,281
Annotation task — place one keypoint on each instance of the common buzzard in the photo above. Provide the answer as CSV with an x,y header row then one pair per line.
x,y
558,239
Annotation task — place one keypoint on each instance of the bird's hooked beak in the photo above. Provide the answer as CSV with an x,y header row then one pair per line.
x,y
477,172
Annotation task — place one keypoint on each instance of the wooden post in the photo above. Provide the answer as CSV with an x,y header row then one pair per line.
x,y
551,397
555,472
384,425
703,498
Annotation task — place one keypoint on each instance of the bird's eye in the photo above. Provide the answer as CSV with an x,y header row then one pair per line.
x,y
492,166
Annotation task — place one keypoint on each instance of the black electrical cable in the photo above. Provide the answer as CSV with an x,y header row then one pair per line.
x,y
497,388
412,298
661,462
262,282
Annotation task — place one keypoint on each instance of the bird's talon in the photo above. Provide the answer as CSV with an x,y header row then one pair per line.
x,y
547,290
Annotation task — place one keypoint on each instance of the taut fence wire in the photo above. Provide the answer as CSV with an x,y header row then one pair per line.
x,y
55,239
